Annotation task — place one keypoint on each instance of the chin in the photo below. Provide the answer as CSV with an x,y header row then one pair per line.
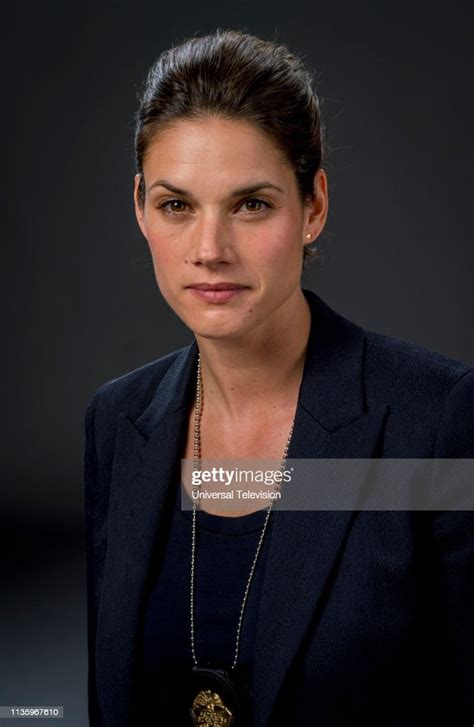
x,y
217,333
215,323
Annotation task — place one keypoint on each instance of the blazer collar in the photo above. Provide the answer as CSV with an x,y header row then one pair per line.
x,y
332,420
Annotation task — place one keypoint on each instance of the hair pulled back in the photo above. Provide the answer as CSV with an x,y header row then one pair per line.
x,y
233,75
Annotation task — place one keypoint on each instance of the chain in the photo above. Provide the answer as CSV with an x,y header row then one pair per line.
x,y
197,459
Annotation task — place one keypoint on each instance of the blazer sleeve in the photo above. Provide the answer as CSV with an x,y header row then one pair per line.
x,y
453,535
95,526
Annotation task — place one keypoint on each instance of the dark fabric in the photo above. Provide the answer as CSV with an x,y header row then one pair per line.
x,y
225,549
364,618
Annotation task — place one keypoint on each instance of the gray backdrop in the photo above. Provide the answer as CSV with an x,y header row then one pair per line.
x,y
79,293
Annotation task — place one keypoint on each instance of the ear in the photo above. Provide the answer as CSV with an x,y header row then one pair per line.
x,y
139,211
316,210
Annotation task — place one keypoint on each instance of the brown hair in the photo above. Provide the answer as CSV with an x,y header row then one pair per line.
x,y
233,75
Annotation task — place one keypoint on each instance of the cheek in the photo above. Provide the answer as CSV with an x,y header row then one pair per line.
x,y
163,249
280,248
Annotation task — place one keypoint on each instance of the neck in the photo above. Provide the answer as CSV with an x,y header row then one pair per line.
x,y
240,377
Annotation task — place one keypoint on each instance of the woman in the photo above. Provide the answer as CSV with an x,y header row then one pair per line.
x,y
263,617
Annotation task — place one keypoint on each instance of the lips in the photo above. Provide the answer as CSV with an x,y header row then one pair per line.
x,y
217,286
217,293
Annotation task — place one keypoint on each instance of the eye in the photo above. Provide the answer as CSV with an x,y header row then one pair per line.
x,y
258,201
172,206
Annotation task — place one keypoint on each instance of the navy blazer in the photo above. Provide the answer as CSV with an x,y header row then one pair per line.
x,y
365,617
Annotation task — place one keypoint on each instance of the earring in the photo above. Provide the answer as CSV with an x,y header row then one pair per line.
x,y
308,236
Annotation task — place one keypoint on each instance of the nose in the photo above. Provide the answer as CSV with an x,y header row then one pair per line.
x,y
211,243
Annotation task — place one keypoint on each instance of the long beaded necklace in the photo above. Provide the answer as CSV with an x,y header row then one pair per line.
x,y
220,697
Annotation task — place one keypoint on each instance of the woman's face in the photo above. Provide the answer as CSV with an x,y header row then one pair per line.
x,y
223,207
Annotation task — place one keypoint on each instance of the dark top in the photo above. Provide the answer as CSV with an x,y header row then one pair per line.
x,y
225,549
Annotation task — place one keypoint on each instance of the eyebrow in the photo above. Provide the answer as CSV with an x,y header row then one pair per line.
x,y
236,193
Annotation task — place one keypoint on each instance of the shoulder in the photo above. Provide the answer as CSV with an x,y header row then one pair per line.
x,y
389,365
427,392
130,392
409,364
136,385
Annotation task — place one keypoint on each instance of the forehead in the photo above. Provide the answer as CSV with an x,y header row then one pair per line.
x,y
216,150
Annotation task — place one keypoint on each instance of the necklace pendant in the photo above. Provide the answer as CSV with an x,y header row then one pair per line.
x,y
209,710
220,698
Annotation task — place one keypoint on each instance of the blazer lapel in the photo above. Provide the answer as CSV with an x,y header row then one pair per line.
x,y
146,464
332,420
